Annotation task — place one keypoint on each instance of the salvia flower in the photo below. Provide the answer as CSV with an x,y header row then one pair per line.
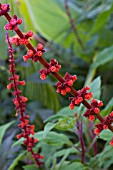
x,y
53,67
20,106
35,56
13,23
4,8
65,87
95,104
81,95
104,125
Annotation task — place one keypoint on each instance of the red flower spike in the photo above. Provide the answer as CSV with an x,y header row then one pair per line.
x,y
19,102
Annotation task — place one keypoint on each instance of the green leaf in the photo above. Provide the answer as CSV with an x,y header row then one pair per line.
x,y
15,162
48,127
102,19
106,135
47,21
66,123
53,138
108,108
95,87
18,142
73,166
63,113
106,157
26,14
103,57
64,151
3,129
31,167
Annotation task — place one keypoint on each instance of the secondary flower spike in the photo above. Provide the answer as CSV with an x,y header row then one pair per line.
x,y
20,106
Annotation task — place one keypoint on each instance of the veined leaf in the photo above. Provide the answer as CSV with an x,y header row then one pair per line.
x,y
3,129
15,162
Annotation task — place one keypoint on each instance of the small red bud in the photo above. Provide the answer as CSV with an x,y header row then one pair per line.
x,y
26,57
71,106
13,21
40,47
70,82
91,117
63,92
30,53
111,142
23,83
30,34
43,76
9,86
96,131
39,53
24,99
19,21
97,110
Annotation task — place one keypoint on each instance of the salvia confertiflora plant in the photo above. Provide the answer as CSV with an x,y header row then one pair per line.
x,y
63,86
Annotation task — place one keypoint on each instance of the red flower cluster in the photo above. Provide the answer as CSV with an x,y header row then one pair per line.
x,y
19,101
22,41
82,94
4,8
13,23
35,56
65,87
104,125
53,67
93,110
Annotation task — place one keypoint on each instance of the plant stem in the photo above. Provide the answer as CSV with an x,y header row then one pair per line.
x,y
80,134
72,25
